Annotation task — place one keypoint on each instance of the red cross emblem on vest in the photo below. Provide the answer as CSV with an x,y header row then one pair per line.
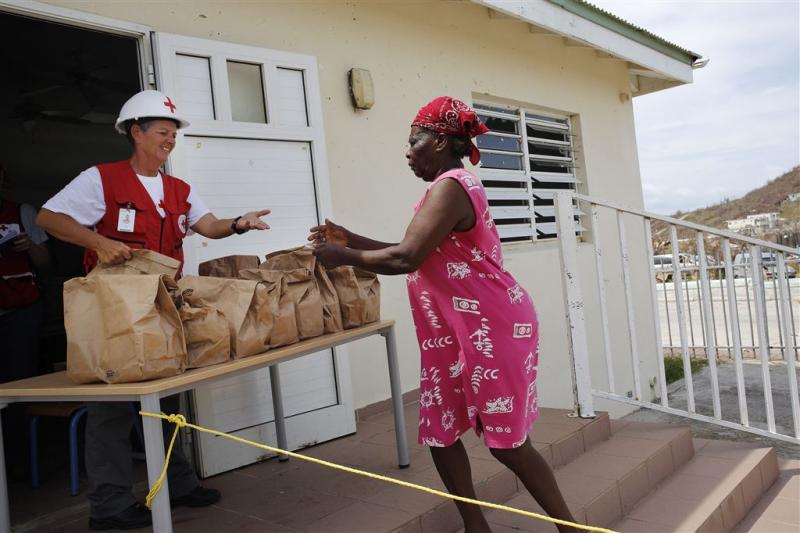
x,y
168,103
3,227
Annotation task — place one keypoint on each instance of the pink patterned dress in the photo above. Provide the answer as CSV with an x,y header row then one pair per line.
x,y
478,335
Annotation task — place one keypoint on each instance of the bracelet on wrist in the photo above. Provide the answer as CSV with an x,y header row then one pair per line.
x,y
235,227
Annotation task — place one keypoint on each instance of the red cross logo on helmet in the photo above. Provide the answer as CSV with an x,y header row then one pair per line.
x,y
149,103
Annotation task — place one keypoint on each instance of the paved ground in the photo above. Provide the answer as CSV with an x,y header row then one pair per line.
x,y
730,405
777,510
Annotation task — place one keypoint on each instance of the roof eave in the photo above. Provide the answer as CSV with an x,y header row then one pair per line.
x,y
636,33
659,63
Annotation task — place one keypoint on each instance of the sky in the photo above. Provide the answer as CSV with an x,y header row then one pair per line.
x,y
737,125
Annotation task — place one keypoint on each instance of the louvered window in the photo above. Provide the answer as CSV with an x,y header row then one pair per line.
x,y
525,159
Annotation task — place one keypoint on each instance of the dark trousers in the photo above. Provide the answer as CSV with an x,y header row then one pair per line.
x,y
19,358
109,465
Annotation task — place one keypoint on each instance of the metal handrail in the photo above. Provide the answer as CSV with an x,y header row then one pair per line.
x,y
689,225
703,302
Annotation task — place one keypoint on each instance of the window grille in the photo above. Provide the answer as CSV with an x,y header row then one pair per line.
x,y
525,159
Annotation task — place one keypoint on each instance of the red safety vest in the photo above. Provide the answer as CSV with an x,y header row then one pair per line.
x,y
123,190
17,283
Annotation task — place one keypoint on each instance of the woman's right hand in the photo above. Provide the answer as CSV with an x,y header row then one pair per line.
x,y
329,233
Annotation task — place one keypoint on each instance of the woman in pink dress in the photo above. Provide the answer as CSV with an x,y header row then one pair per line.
x,y
476,326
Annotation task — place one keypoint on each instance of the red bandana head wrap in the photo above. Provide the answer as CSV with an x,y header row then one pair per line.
x,y
453,117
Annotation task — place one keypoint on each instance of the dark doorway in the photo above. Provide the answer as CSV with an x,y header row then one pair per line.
x,y
61,88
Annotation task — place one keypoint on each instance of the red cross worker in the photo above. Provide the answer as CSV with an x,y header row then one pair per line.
x,y
111,209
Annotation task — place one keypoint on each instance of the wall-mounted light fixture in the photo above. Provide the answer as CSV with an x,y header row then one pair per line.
x,y
361,90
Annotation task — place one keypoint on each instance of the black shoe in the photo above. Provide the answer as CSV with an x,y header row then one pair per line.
x,y
134,517
197,497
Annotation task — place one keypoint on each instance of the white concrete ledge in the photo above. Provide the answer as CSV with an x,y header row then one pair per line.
x,y
553,18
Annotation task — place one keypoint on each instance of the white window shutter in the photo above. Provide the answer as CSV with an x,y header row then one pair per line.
x,y
525,159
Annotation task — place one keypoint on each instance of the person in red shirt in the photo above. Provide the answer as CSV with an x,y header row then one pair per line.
x,y
23,256
110,209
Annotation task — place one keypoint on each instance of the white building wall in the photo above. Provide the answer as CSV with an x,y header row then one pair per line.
x,y
754,224
738,224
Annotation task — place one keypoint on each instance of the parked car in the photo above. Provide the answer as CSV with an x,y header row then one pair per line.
x,y
742,265
662,264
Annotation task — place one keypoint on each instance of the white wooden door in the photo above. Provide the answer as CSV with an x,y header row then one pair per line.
x,y
256,141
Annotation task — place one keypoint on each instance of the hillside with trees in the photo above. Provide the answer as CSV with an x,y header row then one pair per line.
x,y
769,198
766,199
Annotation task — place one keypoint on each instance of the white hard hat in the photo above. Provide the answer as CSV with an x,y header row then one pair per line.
x,y
148,104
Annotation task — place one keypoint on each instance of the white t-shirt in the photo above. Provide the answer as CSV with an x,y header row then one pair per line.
x,y
83,199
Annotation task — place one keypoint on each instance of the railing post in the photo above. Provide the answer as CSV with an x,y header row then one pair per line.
x,y
677,280
662,378
730,280
708,320
576,335
594,221
633,343
761,325
789,342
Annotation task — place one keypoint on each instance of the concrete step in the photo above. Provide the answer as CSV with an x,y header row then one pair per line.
x,y
778,510
712,492
557,436
609,479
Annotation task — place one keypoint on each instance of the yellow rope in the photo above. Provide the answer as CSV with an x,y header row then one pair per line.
x,y
180,421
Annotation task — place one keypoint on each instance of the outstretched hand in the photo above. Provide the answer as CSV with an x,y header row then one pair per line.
x,y
252,220
329,233
331,255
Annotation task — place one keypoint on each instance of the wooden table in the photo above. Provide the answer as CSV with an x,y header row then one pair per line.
x,y
57,387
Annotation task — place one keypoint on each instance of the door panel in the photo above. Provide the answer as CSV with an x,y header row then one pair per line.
x,y
234,176
240,166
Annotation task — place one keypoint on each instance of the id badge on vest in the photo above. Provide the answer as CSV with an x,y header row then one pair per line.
x,y
127,218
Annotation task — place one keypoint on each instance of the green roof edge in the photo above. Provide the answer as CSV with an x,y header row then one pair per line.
x,y
626,29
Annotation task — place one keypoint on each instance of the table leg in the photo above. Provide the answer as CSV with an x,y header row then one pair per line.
x,y
397,399
277,409
154,454
5,516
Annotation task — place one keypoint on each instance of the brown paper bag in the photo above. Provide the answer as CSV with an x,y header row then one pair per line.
x,y
371,290
141,262
303,257
303,291
332,313
284,313
290,259
208,338
351,299
227,267
121,329
246,305
359,295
